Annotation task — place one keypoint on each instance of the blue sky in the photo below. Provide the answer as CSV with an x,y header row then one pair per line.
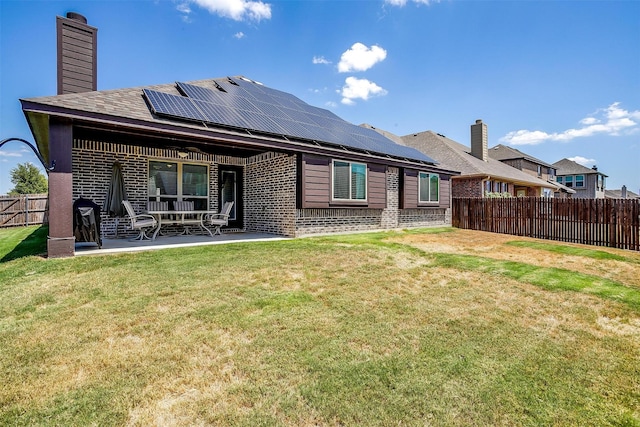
x,y
554,79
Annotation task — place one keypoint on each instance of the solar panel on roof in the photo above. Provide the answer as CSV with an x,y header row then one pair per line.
x,y
205,94
247,105
173,105
221,115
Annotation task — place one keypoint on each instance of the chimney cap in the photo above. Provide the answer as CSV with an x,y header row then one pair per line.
x,y
76,17
478,121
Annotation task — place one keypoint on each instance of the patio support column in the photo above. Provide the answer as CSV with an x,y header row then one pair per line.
x,y
61,242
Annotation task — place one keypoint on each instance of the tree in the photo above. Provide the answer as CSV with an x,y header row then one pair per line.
x,y
28,179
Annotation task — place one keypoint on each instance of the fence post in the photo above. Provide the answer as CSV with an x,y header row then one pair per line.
x,y
26,210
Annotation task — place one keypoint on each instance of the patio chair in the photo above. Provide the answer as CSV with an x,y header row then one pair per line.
x,y
187,220
140,222
220,219
157,206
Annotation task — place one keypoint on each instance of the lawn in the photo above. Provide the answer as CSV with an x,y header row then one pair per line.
x,y
421,327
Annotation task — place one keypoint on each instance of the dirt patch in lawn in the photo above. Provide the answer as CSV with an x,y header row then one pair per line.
x,y
493,245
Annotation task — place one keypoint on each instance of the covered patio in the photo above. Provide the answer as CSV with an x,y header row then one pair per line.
x,y
123,245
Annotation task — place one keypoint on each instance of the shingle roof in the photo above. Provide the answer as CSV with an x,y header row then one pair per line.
x,y
617,194
503,152
129,104
569,167
456,156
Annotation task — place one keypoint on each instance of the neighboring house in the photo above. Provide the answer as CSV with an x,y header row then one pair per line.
x,y
292,169
587,183
480,175
623,193
532,166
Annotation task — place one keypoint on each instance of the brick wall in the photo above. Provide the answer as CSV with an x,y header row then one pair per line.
x,y
270,194
390,214
93,165
318,221
270,181
461,187
315,221
429,217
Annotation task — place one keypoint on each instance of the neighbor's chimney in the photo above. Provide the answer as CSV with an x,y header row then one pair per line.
x,y
77,54
623,192
480,141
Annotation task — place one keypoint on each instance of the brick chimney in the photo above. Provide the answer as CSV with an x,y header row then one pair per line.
x,y
480,141
77,54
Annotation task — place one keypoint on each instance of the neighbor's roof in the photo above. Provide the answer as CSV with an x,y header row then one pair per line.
x,y
456,156
503,152
569,167
617,194
242,106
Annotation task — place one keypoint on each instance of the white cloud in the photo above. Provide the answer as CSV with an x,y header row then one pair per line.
x,y
583,161
184,8
613,121
361,58
4,153
239,35
320,60
238,10
355,88
402,3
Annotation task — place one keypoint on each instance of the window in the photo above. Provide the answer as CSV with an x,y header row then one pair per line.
x,y
539,171
579,181
505,187
349,181
568,180
172,181
428,187
560,179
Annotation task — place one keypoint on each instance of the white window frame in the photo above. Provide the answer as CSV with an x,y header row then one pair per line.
x,y
429,176
581,182
179,185
366,182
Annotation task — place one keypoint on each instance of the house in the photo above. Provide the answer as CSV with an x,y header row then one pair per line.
x,y
623,193
532,166
587,183
290,168
480,175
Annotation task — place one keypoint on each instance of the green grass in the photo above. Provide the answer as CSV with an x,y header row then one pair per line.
x,y
18,242
571,250
341,330
555,279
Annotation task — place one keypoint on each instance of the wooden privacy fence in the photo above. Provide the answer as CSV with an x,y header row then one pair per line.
x,y
601,222
25,209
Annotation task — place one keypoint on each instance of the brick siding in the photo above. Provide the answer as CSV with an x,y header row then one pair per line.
x,y
270,181
270,194
461,187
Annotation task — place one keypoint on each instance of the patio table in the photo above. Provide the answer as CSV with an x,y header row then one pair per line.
x,y
184,218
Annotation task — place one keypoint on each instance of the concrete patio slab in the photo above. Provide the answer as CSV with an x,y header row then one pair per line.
x,y
165,242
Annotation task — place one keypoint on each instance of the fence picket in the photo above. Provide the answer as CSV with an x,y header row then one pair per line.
x,y
600,222
23,210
